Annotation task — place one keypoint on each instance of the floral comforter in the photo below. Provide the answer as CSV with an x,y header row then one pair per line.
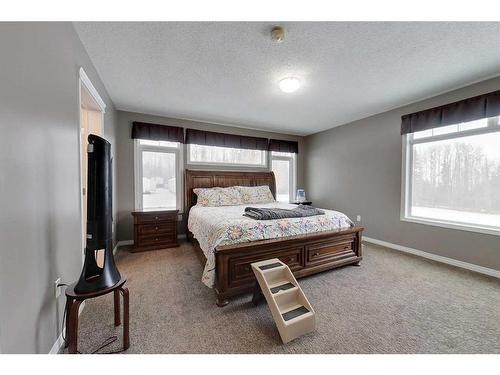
x,y
215,226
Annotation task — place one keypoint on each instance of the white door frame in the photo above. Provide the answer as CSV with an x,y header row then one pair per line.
x,y
85,83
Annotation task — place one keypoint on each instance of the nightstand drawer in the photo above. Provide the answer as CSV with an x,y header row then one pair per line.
x,y
154,218
160,228
153,239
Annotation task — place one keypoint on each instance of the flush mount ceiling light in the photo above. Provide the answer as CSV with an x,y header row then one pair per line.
x,y
289,84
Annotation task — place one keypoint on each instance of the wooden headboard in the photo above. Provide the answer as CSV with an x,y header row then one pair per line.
x,y
208,179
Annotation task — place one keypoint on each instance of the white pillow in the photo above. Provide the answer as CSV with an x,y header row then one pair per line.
x,y
217,196
255,194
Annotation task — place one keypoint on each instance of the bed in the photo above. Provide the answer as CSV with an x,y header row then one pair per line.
x,y
230,242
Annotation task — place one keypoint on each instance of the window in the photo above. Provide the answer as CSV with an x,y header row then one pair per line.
x,y
283,166
452,176
157,175
201,154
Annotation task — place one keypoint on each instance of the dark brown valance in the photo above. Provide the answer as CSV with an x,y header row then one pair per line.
x,y
155,132
475,108
204,138
283,146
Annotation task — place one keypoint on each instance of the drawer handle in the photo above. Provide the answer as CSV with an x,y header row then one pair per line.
x,y
289,260
346,247
316,254
156,239
156,228
156,217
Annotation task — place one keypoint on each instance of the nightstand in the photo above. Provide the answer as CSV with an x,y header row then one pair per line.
x,y
155,229
306,203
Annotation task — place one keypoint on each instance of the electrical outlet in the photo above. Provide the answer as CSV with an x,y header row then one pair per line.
x,y
57,289
358,218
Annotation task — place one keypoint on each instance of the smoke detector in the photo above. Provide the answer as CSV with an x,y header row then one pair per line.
x,y
277,34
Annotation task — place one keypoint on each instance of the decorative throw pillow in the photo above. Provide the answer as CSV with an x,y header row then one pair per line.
x,y
255,194
217,196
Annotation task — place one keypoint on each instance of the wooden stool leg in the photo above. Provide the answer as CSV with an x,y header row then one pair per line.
x,y
126,333
73,327
117,307
69,303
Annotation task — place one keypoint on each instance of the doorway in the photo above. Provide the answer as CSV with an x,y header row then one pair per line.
x,y
92,109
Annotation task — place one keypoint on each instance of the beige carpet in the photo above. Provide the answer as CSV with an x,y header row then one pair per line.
x,y
393,303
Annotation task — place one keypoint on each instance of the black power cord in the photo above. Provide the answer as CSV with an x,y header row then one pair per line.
x,y
104,344
63,331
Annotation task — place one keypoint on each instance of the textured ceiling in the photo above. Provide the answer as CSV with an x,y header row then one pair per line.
x,y
228,73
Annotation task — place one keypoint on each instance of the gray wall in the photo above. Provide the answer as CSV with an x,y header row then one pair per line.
x,y
39,190
125,161
356,168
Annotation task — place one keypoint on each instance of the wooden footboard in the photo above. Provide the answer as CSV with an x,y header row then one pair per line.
x,y
304,254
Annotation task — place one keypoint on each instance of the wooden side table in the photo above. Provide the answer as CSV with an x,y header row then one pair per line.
x,y
74,300
155,229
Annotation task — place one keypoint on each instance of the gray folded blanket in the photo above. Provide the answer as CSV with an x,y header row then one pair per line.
x,y
281,213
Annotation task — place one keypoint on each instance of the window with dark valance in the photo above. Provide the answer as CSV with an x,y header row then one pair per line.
x,y
155,132
451,165
283,146
475,108
204,138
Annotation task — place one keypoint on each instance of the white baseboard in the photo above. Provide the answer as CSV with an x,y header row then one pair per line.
x,y
58,344
122,243
60,341
131,242
437,258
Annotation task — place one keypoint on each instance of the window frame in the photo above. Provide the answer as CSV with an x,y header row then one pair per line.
x,y
138,188
292,173
408,141
228,165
